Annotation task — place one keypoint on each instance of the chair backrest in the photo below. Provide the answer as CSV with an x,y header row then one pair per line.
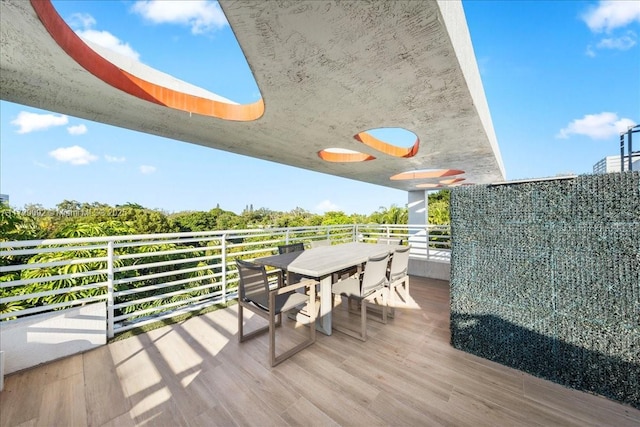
x,y
253,284
399,263
318,243
293,247
375,274
389,241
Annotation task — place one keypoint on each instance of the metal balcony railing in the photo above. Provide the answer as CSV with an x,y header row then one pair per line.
x,y
146,278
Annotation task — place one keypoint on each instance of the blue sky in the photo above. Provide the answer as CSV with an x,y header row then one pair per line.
x,y
562,79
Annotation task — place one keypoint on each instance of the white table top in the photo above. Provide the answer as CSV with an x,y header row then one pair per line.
x,y
324,260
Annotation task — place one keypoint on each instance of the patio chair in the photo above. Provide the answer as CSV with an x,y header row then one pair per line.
x,y
366,288
293,247
319,243
398,276
389,241
285,249
254,294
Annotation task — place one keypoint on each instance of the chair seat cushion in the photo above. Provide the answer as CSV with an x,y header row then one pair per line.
x,y
284,302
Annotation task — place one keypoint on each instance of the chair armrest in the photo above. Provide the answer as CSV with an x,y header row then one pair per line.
x,y
311,307
309,283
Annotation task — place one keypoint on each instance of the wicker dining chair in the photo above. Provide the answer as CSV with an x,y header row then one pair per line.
x,y
254,294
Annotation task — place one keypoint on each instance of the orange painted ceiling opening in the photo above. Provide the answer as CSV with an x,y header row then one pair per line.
x,y
100,67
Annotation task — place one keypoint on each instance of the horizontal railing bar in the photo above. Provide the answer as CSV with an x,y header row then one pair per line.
x,y
46,279
167,242
161,297
163,263
159,253
52,292
230,234
39,265
35,251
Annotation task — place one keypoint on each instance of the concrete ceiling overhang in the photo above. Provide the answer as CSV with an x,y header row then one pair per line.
x,y
327,71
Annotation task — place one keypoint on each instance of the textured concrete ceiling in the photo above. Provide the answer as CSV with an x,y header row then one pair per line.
x,y
326,71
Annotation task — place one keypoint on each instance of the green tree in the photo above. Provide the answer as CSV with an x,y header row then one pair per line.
x,y
17,226
392,215
147,221
195,220
336,217
439,208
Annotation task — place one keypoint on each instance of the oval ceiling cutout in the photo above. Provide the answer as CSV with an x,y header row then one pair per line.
x,y
451,181
396,142
426,173
113,75
429,185
342,155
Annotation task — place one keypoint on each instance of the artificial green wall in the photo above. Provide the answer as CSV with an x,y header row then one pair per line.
x,y
545,278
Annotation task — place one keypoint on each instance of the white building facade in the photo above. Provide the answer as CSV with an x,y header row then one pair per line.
x,y
612,163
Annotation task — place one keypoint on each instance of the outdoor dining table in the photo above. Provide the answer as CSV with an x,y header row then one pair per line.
x,y
320,263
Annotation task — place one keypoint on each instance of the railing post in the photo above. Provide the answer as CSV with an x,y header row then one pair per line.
x,y
428,237
286,237
224,268
110,316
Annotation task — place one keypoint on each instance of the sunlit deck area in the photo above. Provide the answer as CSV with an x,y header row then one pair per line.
x,y
196,373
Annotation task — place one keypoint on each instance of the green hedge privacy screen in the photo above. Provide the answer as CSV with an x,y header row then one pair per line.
x,y
545,278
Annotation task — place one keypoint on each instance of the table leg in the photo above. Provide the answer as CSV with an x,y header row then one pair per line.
x,y
324,319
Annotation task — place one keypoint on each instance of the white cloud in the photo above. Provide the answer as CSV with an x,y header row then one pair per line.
x,y
77,130
596,126
609,15
114,159
146,169
618,43
75,155
83,23
30,122
201,16
327,206
109,41
81,20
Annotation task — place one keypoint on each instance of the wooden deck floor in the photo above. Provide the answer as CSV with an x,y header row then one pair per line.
x,y
195,373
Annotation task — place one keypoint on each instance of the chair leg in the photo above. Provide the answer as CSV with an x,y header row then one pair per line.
x,y
385,307
352,333
241,335
240,323
272,336
276,360
363,320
